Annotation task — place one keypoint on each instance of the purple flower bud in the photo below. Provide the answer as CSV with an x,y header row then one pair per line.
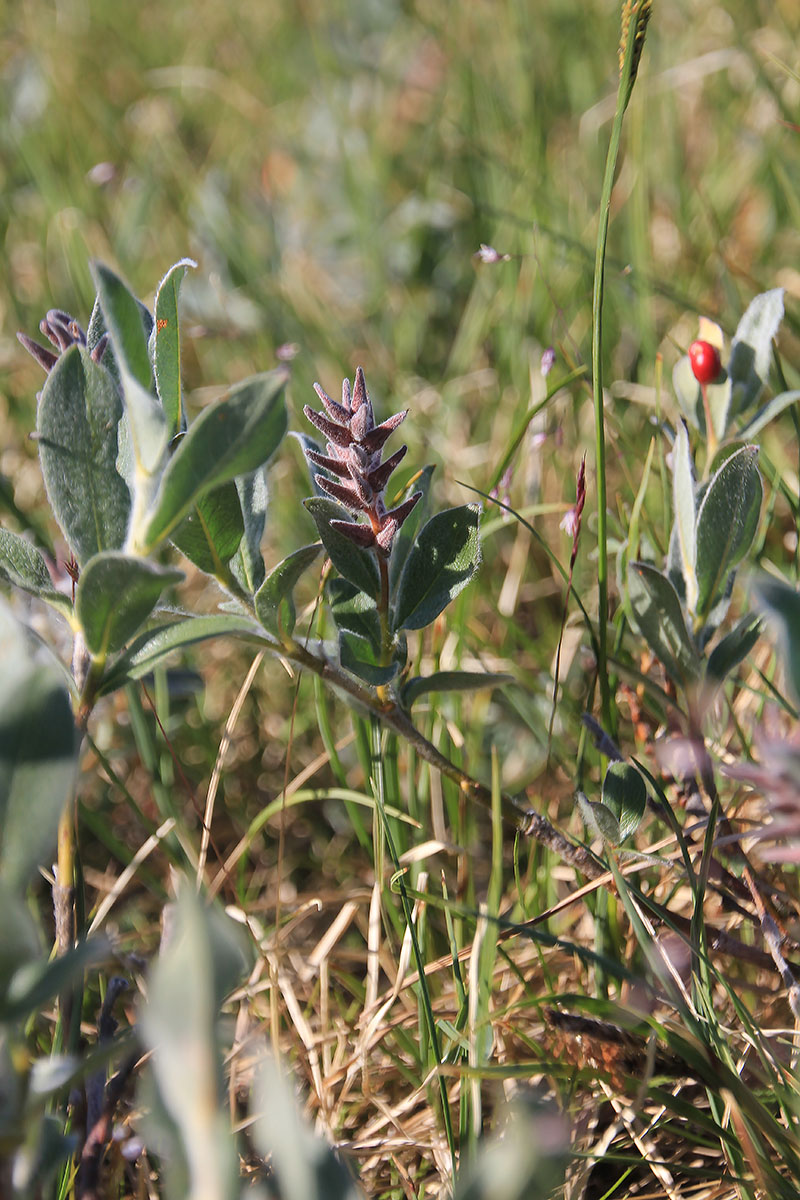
x,y
570,522
488,254
548,361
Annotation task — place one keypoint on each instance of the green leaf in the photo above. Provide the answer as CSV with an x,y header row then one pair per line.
x,y
179,1026
232,437
451,681
358,656
726,523
38,981
599,820
274,601
150,649
406,534
122,314
351,561
38,753
443,560
657,614
165,346
684,508
24,566
79,411
210,535
248,566
733,648
97,328
780,602
768,413
115,595
625,795
355,612
751,349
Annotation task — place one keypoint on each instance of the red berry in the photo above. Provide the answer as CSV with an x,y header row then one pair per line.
x,y
705,361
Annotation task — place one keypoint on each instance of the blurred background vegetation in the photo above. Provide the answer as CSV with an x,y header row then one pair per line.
x,y
333,168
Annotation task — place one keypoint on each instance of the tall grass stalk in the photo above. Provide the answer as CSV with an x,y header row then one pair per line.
x,y
633,37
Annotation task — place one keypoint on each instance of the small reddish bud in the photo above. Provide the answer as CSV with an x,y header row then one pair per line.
x,y
705,361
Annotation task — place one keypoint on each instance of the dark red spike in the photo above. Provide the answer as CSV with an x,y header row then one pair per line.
x,y
357,531
338,434
375,439
44,357
334,465
345,493
378,478
403,510
359,391
337,412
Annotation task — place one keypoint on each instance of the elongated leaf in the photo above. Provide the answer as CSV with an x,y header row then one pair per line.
x,y
77,421
149,649
625,795
683,504
781,603
234,436
38,981
122,316
305,1166
451,681
441,563
210,535
97,328
24,566
38,754
115,595
248,567
274,600
165,346
404,538
355,612
657,614
357,655
19,947
144,438
726,523
599,820
751,349
768,413
351,561
733,648
179,1026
